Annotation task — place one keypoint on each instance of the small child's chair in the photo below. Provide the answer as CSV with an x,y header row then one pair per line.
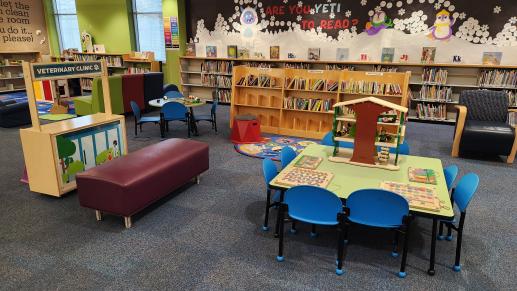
x,y
270,171
287,154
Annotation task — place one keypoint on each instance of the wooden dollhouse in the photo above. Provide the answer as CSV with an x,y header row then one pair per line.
x,y
373,126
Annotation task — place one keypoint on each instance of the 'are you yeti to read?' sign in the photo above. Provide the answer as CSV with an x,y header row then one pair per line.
x,y
61,70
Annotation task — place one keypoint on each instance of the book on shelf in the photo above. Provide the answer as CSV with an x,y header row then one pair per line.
x,y
308,104
339,67
382,68
431,111
296,83
211,51
263,65
512,98
191,49
370,87
266,81
231,51
435,93
498,78
342,54
111,61
332,85
136,70
274,52
491,58
313,54
512,118
219,67
252,80
304,66
223,96
388,53
434,76
243,53
317,85
428,54
86,83
216,80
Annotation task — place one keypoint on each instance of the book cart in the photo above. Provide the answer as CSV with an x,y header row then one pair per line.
x,y
299,102
55,152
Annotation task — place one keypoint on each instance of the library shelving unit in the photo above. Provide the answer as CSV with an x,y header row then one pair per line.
x,y
299,102
428,95
11,73
114,62
140,62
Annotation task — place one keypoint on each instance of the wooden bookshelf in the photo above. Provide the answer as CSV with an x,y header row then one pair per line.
x,y
11,73
460,77
139,63
299,102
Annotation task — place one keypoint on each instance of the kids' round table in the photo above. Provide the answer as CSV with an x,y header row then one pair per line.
x,y
190,105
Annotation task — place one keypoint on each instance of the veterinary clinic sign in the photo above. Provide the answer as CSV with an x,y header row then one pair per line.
x,y
63,70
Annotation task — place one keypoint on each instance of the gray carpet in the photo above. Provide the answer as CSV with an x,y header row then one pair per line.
x,y
208,236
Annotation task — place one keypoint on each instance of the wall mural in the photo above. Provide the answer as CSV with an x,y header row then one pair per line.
x,y
454,27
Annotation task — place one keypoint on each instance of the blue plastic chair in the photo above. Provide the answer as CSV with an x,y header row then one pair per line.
x,y
269,170
170,88
173,94
139,119
383,209
461,196
327,140
174,111
312,205
212,118
287,154
450,173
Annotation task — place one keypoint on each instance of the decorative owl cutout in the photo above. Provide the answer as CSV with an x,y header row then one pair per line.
x,y
442,27
378,22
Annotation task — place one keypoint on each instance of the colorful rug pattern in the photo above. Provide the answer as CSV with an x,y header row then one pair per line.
x,y
272,146
43,106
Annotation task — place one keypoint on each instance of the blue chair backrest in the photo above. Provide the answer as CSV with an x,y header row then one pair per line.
x,y
403,148
327,140
173,94
313,204
170,87
465,190
174,110
269,170
377,207
450,173
136,110
287,154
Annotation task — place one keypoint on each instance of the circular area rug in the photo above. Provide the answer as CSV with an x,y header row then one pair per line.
x,y
272,146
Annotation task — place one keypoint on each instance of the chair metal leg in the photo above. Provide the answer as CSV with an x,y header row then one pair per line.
x,y
215,124
394,252
340,244
313,231
402,272
98,215
449,232
136,131
140,127
265,226
457,266
127,221
280,219
440,232
293,227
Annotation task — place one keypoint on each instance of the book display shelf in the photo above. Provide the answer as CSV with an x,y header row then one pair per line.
x,y
11,73
140,62
299,102
434,88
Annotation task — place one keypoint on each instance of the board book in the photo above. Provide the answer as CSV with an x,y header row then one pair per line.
x,y
419,175
419,197
308,162
299,176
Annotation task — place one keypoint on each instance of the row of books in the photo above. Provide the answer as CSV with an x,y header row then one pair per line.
x,y
310,104
431,111
223,96
137,70
512,118
512,98
339,67
258,65
434,76
223,67
305,66
111,61
365,87
260,81
436,93
86,83
216,80
381,68
298,83
498,78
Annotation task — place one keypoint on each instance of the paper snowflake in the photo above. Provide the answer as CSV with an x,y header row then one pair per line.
x,y
319,29
437,6
377,8
363,2
312,11
402,11
348,13
272,18
332,15
462,15
484,27
299,17
353,28
300,3
513,20
497,9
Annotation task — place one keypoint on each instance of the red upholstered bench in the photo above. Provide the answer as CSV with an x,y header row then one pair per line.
x,y
130,183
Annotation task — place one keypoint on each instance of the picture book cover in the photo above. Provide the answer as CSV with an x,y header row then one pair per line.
x,y
342,54
244,53
314,54
191,50
211,51
492,58
231,50
388,53
426,176
428,54
274,52
308,162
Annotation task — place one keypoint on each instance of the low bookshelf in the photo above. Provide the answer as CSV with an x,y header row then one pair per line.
x,y
11,73
114,62
429,100
299,102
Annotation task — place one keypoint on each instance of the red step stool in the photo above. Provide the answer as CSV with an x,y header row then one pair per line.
x,y
246,129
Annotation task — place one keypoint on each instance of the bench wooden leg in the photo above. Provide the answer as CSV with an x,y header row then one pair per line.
x,y
198,179
98,215
127,221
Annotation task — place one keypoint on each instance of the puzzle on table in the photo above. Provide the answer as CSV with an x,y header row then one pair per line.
x,y
308,162
419,197
299,176
427,176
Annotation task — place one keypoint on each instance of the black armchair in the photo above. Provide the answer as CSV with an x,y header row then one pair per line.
x,y
482,125
14,114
